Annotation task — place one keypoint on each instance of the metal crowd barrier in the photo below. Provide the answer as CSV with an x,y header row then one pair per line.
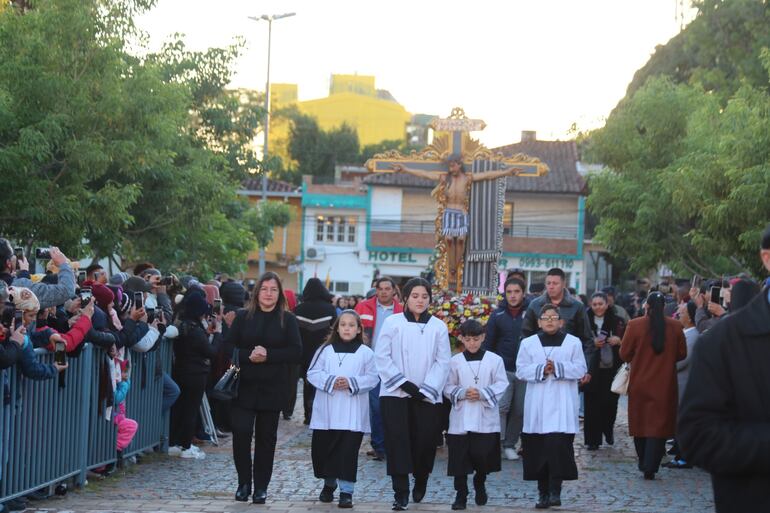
x,y
50,433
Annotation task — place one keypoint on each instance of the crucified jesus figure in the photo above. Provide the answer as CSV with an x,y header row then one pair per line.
x,y
454,224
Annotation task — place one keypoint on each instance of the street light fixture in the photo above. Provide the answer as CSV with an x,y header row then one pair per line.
x,y
269,18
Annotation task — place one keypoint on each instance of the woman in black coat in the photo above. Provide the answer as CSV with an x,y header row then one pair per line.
x,y
601,404
315,316
194,349
267,342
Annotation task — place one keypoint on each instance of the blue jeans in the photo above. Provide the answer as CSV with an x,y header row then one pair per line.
x,y
170,392
345,486
378,434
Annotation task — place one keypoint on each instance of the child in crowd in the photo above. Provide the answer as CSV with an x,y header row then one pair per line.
x,y
343,371
551,362
477,380
126,427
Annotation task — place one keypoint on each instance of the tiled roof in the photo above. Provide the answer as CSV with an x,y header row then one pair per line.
x,y
561,157
255,185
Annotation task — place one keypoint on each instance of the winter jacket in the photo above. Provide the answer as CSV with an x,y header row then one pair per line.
x,y
193,352
73,338
504,333
368,312
50,295
724,418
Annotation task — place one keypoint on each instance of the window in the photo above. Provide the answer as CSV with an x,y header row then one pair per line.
x,y
508,219
335,229
339,287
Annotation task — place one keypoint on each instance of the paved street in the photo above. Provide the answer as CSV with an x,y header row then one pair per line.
x,y
609,482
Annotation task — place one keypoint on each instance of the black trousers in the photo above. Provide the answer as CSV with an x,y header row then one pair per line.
x,y
262,426
461,483
649,451
601,407
293,378
411,431
184,412
308,395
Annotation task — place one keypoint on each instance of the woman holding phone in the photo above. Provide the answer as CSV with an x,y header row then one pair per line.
x,y
266,341
601,404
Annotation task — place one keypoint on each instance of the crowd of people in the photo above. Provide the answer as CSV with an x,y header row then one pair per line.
x,y
515,388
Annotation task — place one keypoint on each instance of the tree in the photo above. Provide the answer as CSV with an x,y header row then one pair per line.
x,y
104,152
266,216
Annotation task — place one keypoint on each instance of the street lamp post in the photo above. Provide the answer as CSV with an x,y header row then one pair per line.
x,y
269,18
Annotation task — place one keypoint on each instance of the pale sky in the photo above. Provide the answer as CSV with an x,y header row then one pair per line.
x,y
517,64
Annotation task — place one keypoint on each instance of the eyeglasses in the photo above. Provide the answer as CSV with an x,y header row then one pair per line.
x,y
550,318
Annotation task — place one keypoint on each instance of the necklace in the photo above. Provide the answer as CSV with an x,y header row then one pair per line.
x,y
340,360
475,374
548,354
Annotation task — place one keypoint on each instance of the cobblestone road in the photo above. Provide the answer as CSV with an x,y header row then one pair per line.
x,y
609,482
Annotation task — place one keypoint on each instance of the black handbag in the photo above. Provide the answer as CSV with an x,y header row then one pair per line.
x,y
226,388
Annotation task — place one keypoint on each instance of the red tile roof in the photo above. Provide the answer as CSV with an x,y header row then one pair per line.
x,y
255,185
561,157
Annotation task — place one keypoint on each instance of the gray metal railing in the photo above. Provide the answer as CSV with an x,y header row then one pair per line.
x,y
545,231
50,433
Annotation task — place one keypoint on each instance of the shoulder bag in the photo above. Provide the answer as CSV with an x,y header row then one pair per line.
x,y
620,381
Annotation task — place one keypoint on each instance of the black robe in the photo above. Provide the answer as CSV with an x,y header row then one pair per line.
x,y
724,417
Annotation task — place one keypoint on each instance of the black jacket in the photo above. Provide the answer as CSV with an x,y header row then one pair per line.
x,y
192,350
724,418
504,333
613,325
315,319
9,353
265,386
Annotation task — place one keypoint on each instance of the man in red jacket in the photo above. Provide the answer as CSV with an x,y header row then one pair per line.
x,y
373,313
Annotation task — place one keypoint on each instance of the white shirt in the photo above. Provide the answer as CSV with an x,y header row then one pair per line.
x,y
551,402
489,377
410,351
346,409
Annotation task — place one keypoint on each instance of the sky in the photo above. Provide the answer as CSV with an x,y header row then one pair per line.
x,y
542,65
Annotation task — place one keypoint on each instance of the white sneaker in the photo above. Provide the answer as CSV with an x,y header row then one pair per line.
x,y
174,450
192,454
510,454
196,449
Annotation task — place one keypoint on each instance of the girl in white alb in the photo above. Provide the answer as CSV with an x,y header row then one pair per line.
x,y
343,371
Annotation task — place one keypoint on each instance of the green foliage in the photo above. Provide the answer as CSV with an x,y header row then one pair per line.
x,y
370,150
688,180
266,216
103,152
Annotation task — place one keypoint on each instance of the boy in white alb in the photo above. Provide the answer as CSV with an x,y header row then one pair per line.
x,y
476,382
343,371
551,362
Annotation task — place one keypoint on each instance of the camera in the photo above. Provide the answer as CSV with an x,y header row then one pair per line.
x,y
167,281
60,353
85,297
43,253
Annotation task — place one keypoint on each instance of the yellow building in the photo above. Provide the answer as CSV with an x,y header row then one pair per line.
x,y
353,99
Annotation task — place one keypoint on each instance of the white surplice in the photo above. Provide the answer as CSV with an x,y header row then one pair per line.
x,y
551,403
346,409
489,377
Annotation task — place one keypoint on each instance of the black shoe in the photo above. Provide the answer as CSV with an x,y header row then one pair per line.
x,y
346,500
243,492
481,496
418,492
306,421
610,438
401,501
461,501
592,447
649,476
286,417
554,499
379,456
259,497
544,501
327,494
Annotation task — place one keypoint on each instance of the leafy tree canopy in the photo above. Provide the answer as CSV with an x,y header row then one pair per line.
x,y
103,151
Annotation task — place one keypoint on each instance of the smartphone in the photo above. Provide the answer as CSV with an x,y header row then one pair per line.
x,y
150,315
18,319
43,253
85,296
60,353
138,300
97,275
716,295
217,306
81,277
696,282
7,316
167,281
19,252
